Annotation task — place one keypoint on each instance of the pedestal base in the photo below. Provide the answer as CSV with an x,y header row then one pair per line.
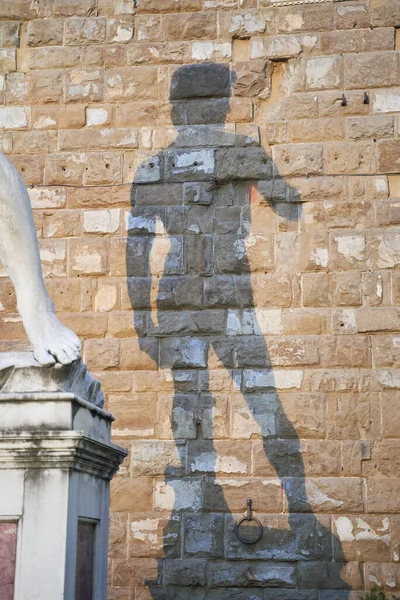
x,y
56,461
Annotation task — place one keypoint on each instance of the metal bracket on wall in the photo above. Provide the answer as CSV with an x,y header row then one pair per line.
x,y
258,529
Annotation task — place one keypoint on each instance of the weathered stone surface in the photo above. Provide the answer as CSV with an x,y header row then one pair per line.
x,y
265,574
242,313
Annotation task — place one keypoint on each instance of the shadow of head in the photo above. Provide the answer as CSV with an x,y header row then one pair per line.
x,y
201,94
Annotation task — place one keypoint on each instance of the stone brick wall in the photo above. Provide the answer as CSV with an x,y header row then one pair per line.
x,y
216,190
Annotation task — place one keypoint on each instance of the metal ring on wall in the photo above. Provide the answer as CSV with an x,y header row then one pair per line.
x,y
251,518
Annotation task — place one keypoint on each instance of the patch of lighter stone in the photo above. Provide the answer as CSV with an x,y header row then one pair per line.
x,y
295,21
344,528
88,262
318,68
96,116
368,533
203,158
205,50
257,49
396,556
123,34
223,482
390,379
248,22
128,139
380,185
44,122
139,432
115,80
309,41
319,497
144,529
385,525
351,246
1,306
320,257
81,90
386,102
379,287
12,320
343,10
51,254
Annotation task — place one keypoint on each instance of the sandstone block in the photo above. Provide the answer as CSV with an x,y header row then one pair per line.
x,y
371,70
147,537
350,416
102,168
310,130
203,536
299,321
281,542
305,413
101,221
324,73
136,414
317,289
9,34
357,40
139,354
156,458
196,82
252,78
349,157
98,139
84,85
31,171
369,127
80,31
120,30
388,156
245,24
178,494
321,458
378,319
352,15
187,572
305,18
66,223
325,576
131,495
330,104
183,353
383,495
169,6
324,494
190,26
231,492
347,289
45,32
131,83
88,257
57,57
385,13
8,59
298,159
14,117
242,574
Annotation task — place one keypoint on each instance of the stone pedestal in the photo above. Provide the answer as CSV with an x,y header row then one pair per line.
x,y
56,461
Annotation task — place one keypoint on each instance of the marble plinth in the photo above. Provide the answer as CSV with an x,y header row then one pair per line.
x,y
56,462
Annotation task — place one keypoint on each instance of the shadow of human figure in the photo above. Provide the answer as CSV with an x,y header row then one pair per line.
x,y
199,192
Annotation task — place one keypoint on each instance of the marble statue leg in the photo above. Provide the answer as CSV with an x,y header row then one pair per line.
x,y
19,252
